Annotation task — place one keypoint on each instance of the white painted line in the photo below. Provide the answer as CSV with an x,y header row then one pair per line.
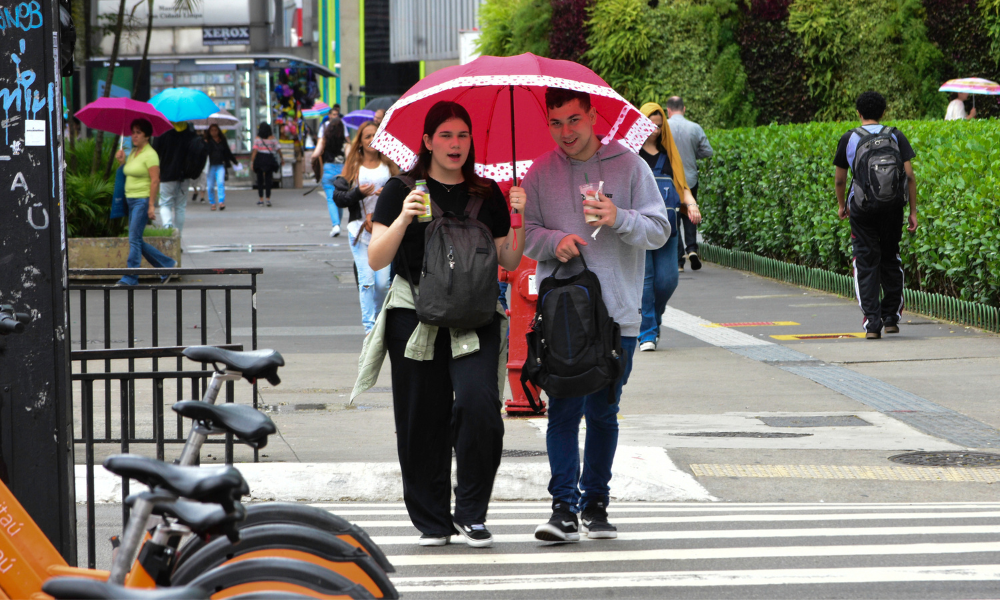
x,y
731,519
424,560
562,581
615,509
720,505
717,336
721,534
639,474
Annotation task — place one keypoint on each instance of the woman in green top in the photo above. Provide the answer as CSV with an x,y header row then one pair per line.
x,y
142,182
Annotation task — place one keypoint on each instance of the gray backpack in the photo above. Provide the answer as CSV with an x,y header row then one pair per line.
x,y
879,171
458,279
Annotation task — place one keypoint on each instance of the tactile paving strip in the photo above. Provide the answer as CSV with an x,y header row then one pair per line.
x,y
909,408
952,474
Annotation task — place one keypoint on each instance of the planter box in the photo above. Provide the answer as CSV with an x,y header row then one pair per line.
x,y
112,253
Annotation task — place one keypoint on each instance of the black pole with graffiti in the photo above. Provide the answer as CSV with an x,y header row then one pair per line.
x,y
36,427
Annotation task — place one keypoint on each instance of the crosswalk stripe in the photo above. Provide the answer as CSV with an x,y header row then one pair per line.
x,y
703,534
730,518
615,509
418,560
694,505
754,577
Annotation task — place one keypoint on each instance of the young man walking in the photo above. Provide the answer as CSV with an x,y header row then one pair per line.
x,y
876,227
173,148
692,144
634,220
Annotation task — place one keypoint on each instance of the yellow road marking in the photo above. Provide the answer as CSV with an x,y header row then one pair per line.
x,y
876,473
817,336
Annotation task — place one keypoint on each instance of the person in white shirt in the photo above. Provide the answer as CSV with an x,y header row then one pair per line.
x,y
956,109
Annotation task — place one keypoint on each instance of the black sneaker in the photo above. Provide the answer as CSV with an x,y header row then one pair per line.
x,y
873,335
562,527
680,264
891,329
594,522
476,536
695,261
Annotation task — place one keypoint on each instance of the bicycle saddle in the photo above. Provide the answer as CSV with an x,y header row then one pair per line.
x,y
199,518
253,364
80,588
222,485
247,423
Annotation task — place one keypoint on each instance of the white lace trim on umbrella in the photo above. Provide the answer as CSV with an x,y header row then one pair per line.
x,y
502,171
397,151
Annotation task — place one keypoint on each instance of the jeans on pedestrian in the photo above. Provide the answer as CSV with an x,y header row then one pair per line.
x,y
562,441
330,172
137,247
658,286
372,285
216,185
173,204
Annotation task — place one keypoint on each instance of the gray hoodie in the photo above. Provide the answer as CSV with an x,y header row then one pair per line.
x,y
554,209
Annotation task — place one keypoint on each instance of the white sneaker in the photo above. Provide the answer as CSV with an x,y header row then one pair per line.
x,y
430,540
647,346
335,231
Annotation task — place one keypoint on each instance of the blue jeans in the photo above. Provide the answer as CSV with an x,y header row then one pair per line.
x,y
562,441
216,184
330,172
372,285
137,248
658,286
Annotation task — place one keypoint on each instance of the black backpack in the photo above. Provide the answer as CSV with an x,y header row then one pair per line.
x,y
574,346
194,160
458,279
879,174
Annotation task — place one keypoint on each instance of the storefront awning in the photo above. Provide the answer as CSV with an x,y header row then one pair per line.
x,y
270,61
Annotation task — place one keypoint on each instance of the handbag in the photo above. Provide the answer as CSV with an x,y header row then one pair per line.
x,y
119,206
265,161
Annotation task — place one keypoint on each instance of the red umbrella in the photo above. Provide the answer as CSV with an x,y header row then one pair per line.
x,y
487,87
115,115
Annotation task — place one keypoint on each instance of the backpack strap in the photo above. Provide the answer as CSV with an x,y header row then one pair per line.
x,y
473,206
582,259
660,162
535,403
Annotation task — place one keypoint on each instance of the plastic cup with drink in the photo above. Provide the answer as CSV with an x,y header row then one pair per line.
x,y
589,192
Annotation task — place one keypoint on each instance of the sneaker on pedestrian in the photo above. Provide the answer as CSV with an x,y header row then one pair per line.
x,y
695,261
647,346
891,329
476,535
335,231
680,263
562,527
594,522
873,335
434,540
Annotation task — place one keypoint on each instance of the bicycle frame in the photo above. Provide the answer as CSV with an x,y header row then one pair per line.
x,y
197,435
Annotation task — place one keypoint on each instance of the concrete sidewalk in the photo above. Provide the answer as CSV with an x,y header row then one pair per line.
x,y
714,410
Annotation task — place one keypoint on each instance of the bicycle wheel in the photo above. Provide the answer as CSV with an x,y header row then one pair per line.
x,y
308,516
289,541
278,575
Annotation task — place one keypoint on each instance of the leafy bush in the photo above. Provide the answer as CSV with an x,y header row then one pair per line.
x,y
769,190
568,35
619,38
511,27
958,30
88,195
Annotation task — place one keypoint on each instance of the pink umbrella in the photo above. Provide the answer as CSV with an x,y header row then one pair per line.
x,y
487,87
115,115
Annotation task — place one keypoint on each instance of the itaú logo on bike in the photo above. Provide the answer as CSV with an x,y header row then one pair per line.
x,y
8,525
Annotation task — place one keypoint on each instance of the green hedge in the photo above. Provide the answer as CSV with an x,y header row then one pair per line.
x,y
770,191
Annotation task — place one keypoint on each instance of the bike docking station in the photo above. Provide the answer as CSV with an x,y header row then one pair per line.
x,y
36,426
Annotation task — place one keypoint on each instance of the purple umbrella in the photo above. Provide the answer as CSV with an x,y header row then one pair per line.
x,y
355,118
115,115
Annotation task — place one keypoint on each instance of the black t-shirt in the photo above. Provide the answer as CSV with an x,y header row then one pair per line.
x,y
493,214
849,142
668,170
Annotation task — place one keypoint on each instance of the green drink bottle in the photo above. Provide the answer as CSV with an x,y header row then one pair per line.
x,y
422,187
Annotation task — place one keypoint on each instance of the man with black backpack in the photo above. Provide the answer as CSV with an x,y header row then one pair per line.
x,y
588,318
179,151
883,183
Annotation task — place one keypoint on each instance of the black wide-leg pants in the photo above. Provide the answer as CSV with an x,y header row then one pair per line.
x,y
440,404
875,238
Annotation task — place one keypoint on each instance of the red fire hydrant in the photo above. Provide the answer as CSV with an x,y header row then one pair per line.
x,y
523,294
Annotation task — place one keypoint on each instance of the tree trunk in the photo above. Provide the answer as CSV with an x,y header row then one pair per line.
x,y
145,53
99,148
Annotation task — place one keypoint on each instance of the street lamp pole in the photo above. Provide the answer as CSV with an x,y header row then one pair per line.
x,y
36,426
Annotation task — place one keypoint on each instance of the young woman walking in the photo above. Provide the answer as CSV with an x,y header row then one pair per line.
x,y
142,182
366,171
265,157
329,148
660,153
445,394
220,158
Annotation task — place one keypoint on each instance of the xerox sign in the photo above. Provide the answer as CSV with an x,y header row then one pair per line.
x,y
223,36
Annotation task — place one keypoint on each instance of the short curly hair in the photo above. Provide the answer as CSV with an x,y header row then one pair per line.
x,y
871,105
